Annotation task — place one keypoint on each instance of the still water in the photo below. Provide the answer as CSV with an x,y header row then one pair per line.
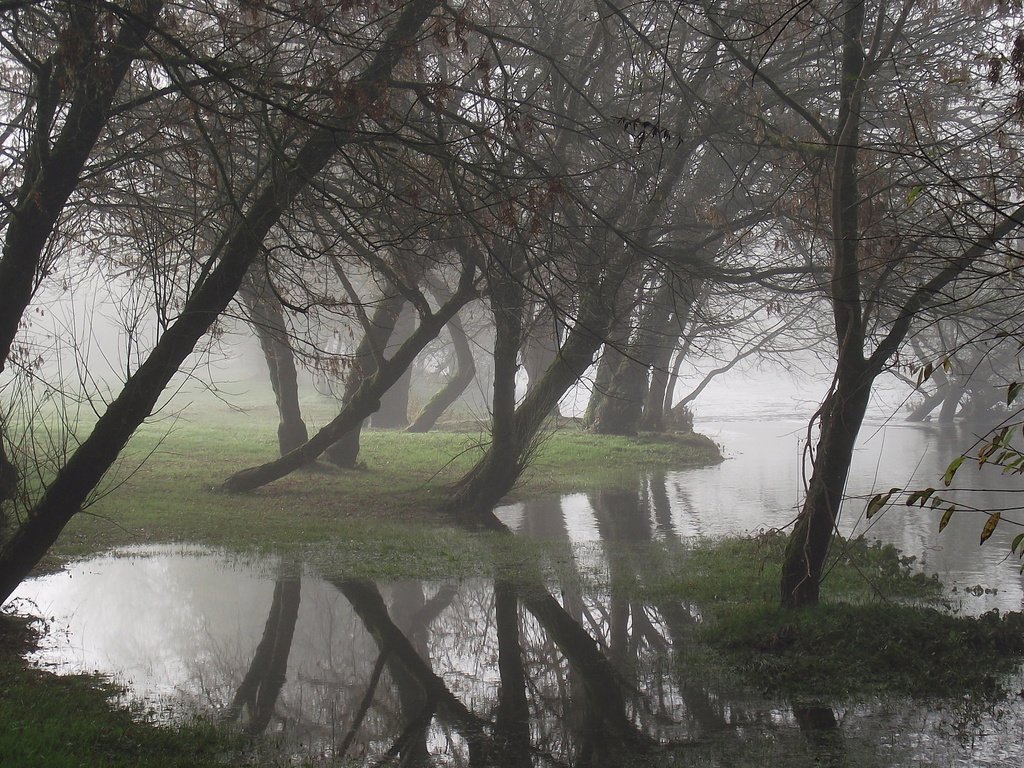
x,y
482,671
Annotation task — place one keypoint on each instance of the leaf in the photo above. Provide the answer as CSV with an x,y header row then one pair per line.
x,y
920,496
925,374
954,465
1012,391
947,516
878,501
1016,543
990,526
913,194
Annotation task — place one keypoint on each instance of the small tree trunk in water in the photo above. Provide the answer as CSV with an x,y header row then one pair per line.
x,y
267,320
465,372
950,403
841,417
394,406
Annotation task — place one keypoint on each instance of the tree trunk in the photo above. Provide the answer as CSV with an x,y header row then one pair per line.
x,y
465,372
345,450
268,321
609,361
807,549
493,476
620,410
54,163
653,419
540,344
364,401
394,406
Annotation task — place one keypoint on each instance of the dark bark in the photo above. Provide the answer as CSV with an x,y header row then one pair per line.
x,y
931,402
653,419
610,360
620,410
381,325
540,343
465,372
807,548
843,410
85,468
497,471
394,405
364,401
257,694
267,319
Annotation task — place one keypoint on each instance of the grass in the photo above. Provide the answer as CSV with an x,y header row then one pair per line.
x,y
165,490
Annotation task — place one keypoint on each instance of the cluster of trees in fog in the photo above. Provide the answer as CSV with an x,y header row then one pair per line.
x,y
613,184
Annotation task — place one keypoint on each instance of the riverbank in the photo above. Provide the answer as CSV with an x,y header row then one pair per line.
x,y
166,487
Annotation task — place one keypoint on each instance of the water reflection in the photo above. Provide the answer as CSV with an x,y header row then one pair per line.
x,y
759,486
482,672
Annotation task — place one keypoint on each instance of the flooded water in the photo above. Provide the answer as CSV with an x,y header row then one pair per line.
x,y
484,672
460,672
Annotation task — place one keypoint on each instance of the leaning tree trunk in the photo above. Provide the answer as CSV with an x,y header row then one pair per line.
x,y
268,321
364,401
807,549
465,372
493,476
394,406
344,451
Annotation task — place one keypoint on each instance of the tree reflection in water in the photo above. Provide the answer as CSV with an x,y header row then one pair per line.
x,y
510,671
504,673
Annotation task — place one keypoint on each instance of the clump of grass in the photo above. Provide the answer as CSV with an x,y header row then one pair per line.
x,y
837,650
874,634
52,721
744,570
